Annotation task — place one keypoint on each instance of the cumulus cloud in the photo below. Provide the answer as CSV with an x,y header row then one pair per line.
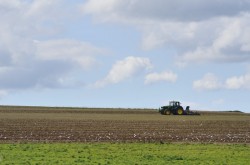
x,y
241,82
81,53
229,43
48,64
125,69
30,57
38,74
201,31
167,76
212,82
191,10
208,82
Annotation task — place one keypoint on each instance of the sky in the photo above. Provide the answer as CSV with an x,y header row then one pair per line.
x,y
125,53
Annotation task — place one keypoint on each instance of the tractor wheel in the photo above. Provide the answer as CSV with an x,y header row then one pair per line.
x,y
167,112
180,112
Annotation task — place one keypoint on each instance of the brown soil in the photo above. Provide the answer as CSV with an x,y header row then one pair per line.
x,y
117,125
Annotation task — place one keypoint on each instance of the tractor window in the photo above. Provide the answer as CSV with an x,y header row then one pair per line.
x,y
173,103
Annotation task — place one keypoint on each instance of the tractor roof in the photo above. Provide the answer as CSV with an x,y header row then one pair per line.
x,y
174,102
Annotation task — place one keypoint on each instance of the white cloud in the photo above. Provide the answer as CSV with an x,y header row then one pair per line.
x,y
46,64
201,31
241,82
125,69
191,10
39,7
211,82
30,57
167,76
229,42
81,53
208,82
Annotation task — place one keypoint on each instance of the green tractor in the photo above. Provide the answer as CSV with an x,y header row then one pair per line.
x,y
175,108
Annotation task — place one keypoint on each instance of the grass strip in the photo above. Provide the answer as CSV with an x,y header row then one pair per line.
x,y
124,153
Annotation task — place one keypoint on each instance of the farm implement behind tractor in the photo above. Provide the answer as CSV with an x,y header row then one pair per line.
x,y
175,108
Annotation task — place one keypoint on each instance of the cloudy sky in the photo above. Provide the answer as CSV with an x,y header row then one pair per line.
x,y
125,53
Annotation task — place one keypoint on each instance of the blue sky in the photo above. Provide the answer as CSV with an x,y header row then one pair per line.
x,y
125,53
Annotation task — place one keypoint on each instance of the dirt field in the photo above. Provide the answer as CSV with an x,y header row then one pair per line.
x,y
43,124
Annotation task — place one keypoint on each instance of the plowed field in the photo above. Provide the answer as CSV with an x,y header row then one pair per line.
x,y
43,124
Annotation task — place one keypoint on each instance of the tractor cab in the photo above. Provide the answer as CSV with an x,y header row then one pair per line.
x,y
174,103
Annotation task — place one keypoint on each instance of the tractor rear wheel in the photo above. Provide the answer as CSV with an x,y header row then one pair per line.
x,y
167,112
180,112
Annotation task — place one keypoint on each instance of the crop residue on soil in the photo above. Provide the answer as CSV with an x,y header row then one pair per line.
x,y
120,126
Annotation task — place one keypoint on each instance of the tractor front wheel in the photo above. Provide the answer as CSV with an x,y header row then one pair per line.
x,y
167,112
180,112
